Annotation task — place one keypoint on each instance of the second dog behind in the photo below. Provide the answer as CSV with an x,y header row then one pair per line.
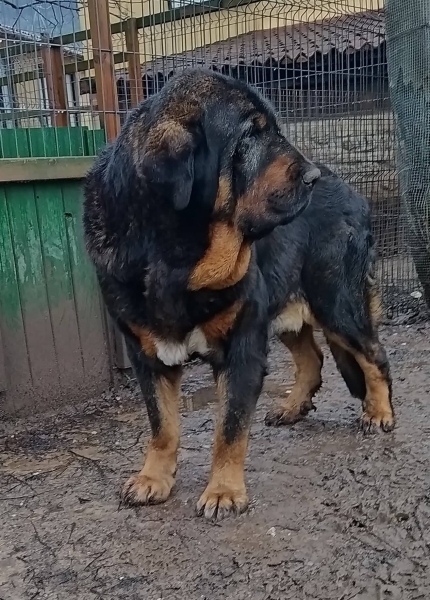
x,y
319,274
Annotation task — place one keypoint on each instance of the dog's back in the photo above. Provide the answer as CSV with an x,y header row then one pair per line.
x,y
328,247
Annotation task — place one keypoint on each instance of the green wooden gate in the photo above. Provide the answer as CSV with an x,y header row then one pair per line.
x,y
53,335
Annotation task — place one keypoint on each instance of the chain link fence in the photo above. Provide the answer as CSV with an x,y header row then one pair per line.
x,y
76,67
408,49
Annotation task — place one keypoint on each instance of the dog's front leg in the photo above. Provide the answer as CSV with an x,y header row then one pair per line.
x,y
161,391
239,381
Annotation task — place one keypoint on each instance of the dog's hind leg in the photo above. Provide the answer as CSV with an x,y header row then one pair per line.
x,y
161,391
308,360
364,366
361,358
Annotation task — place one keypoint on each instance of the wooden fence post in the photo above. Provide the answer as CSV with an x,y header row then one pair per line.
x,y
55,84
133,59
107,100
107,97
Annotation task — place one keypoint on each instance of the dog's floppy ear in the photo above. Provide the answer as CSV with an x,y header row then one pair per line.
x,y
168,162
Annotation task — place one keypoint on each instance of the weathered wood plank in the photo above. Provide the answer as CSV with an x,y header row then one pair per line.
x,y
42,169
59,285
52,322
42,141
46,142
14,143
17,376
71,141
88,305
95,140
25,231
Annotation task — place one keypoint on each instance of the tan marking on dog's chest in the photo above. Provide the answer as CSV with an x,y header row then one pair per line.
x,y
225,262
219,326
146,338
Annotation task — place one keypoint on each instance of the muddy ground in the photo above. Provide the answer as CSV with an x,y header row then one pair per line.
x,y
334,515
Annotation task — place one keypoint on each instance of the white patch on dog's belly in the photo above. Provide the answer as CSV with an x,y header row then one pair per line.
x,y
171,353
292,318
197,342
176,353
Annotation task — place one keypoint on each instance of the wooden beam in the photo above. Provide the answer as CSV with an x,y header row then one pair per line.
x,y
56,85
133,59
107,97
42,169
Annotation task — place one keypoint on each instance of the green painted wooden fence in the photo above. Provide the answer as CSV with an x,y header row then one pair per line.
x,y
53,334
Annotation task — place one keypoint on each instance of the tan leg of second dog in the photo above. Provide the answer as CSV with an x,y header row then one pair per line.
x,y
377,406
308,359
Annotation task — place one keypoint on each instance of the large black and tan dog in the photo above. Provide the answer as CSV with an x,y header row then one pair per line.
x,y
173,211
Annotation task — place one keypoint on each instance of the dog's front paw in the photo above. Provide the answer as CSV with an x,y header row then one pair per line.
x,y
372,420
143,489
219,501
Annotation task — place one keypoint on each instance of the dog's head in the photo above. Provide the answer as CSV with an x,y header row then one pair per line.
x,y
213,145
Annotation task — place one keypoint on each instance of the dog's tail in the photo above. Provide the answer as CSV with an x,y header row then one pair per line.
x,y
350,370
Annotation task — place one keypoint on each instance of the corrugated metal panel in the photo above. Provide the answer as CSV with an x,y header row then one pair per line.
x,y
282,45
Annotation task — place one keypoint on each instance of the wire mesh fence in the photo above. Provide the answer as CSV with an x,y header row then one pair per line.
x,y
408,48
77,68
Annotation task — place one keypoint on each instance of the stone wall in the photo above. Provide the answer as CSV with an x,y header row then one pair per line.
x,y
361,149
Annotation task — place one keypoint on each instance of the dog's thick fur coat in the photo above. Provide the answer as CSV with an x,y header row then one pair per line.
x,y
192,219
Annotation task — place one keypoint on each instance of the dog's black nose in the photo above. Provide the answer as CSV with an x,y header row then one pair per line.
x,y
311,176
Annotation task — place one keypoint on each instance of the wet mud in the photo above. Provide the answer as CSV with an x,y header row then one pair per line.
x,y
334,515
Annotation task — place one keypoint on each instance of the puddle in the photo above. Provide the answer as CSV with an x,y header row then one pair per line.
x,y
130,417
277,388
24,465
206,396
199,399
89,452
